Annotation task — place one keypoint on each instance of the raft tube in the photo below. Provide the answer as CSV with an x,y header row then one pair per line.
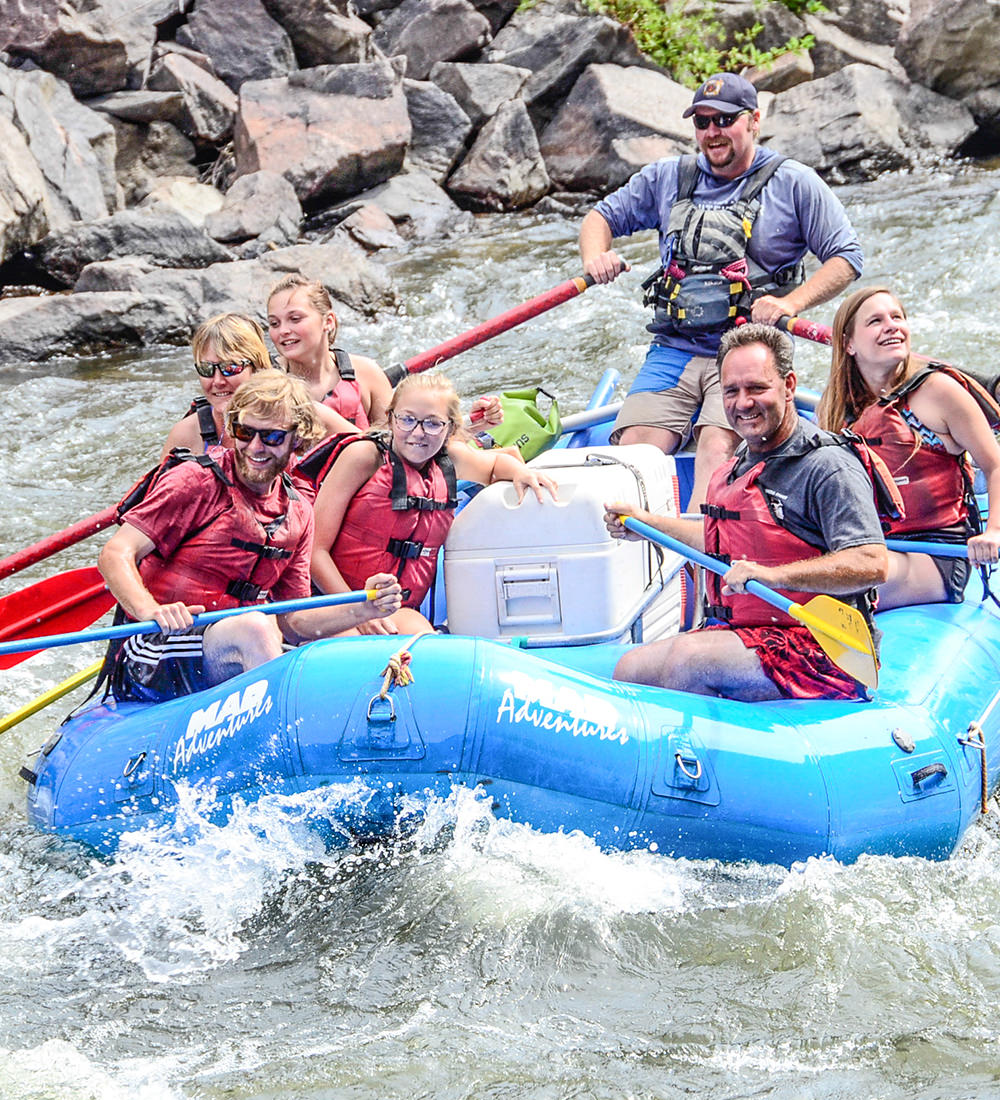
x,y
557,745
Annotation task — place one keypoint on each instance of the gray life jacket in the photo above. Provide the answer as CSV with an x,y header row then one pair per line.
x,y
710,280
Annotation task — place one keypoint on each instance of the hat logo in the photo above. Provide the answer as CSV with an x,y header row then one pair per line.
x,y
711,87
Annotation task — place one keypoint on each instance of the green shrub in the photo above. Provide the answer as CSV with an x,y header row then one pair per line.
x,y
691,47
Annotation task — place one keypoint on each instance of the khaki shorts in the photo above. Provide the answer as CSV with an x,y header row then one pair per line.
x,y
677,409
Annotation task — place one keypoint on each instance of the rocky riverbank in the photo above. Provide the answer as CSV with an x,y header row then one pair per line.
x,y
167,159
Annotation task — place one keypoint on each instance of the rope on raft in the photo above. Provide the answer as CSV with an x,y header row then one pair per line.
x,y
397,672
976,739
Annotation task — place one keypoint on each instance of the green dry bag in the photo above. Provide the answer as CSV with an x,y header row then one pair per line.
x,y
524,425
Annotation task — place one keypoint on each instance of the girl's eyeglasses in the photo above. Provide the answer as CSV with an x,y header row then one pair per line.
x,y
432,425
227,370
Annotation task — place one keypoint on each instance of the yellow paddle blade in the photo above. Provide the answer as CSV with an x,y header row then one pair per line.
x,y
843,634
50,696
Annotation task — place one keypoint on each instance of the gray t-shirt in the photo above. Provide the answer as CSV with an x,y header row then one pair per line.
x,y
822,494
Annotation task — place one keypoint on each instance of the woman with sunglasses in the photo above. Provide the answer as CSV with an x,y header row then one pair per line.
x,y
387,500
923,419
228,349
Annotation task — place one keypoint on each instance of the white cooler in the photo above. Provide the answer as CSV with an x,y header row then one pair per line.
x,y
552,570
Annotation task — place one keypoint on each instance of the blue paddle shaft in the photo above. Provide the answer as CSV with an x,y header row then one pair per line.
x,y
755,588
150,626
937,549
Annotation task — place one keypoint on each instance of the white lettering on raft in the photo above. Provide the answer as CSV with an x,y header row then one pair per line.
x,y
558,707
224,718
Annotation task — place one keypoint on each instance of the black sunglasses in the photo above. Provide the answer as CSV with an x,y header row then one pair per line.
x,y
270,437
227,370
702,122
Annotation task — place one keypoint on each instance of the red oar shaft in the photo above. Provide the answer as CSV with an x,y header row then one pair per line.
x,y
79,531
808,330
488,329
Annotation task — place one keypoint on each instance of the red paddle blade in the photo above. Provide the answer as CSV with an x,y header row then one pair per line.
x,y
60,604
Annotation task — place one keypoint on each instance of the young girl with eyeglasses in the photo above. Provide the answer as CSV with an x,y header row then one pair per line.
x,y
387,500
228,349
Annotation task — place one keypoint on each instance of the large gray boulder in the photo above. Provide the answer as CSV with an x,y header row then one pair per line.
x,y
208,106
479,89
331,131
417,207
145,153
241,39
440,129
557,40
257,204
96,46
358,285
165,237
324,32
504,170
613,122
876,21
428,31
73,146
497,12
954,48
837,47
37,328
23,215
141,106
852,126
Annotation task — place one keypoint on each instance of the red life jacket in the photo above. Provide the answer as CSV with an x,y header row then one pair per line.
x,y
936,486
739,524
397,521
236,558
345,397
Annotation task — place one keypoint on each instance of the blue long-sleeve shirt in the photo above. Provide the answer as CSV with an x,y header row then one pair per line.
x,y
798,214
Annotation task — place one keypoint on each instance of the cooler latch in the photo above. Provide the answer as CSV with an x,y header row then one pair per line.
x,y
528,594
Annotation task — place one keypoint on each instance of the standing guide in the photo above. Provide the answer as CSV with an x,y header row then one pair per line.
x,y
735,224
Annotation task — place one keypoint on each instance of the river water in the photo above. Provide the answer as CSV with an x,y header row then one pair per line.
x,y
479,958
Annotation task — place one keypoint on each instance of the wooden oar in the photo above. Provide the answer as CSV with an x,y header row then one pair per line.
x,y
150,626
67,601
50,696
841,630
488,329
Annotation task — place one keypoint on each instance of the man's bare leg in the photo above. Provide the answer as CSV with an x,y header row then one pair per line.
x,y
704,662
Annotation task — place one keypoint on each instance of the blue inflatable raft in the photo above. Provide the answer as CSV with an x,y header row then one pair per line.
x,y
558,745
519,701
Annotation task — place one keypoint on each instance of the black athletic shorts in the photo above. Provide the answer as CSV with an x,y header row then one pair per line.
x,y
149,668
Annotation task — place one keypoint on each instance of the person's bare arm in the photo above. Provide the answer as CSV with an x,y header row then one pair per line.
x,y
840,573
119,565
600,261
827,282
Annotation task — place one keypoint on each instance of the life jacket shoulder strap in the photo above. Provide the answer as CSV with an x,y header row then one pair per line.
x,y
402,501
982,396
140,490
316,464
756,181
345,368
206,421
